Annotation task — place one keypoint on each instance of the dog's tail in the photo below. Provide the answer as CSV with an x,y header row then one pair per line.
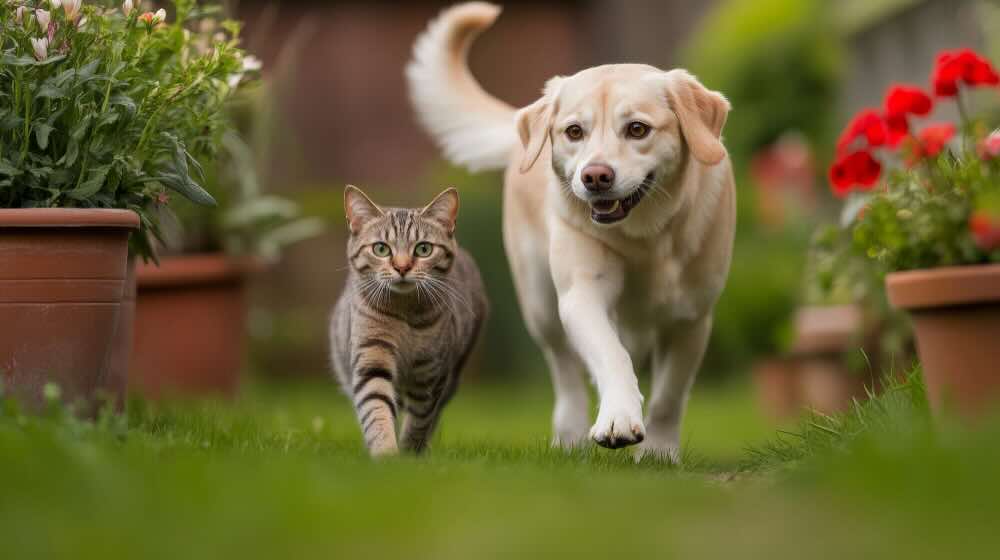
x,y
472,127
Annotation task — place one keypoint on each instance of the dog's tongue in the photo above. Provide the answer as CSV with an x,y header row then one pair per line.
x,y
607,211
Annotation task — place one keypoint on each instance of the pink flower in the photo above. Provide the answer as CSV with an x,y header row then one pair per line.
x,y
989,148
72,9
41,48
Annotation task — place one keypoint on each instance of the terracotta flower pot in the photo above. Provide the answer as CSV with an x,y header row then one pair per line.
x,y
190,326
956,316
62,276
823,334
777,385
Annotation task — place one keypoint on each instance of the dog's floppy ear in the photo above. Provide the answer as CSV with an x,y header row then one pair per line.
x,y
443,209
359,208
534,123
702,114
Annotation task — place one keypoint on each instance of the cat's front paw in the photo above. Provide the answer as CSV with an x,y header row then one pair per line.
x,y
619,423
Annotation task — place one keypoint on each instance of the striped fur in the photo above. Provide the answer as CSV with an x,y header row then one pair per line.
x,y
398,353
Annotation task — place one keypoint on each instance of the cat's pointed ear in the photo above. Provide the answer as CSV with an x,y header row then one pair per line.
x,y
443,209
359,208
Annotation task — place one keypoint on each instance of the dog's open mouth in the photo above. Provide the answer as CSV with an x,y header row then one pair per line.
x,y
611,211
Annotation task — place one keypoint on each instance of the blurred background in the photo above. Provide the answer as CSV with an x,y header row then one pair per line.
x,y
334,110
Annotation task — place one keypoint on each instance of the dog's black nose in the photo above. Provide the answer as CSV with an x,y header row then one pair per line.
x,y
597,177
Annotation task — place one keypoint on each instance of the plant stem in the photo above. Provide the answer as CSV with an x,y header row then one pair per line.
x,y
27,127
963,115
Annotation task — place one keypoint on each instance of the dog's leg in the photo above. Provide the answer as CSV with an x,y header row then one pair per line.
x,y
584,310
675,365
571,416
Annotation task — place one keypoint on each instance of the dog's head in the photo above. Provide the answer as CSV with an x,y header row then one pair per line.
x,y
619,132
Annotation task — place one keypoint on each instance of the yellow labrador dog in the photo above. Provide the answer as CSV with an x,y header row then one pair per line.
x,y
619,215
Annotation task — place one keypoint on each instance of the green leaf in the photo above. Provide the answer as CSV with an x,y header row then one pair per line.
x,y
42,131
50,91
91,186
7,168
106,119
11,60
88,71
122,100
10,122
186,187
72,152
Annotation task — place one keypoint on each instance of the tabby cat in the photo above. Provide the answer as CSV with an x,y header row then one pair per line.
x,y
407,320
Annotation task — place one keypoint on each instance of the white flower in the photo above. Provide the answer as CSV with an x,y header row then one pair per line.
x,y
251,63
55,4
127,7
72,8
41,46
43,18
19,15
81,23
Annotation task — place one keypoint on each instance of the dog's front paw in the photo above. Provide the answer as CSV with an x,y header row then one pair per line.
x,y
619,424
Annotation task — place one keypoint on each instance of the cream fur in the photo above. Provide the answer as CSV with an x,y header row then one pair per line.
x,y
599,298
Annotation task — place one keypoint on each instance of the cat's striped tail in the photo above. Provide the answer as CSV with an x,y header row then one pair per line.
x,y
473,128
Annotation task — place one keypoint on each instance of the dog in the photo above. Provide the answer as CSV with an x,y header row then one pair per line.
x,y
619,218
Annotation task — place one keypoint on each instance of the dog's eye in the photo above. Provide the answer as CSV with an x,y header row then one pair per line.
x,y
574,132
637,130
381,250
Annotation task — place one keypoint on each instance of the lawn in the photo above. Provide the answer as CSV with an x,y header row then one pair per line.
x,y
280,474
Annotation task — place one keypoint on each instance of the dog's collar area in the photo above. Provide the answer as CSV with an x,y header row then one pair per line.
x,y
612,211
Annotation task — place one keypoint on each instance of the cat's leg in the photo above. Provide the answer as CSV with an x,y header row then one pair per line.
x,y
375,404
676,361
423,409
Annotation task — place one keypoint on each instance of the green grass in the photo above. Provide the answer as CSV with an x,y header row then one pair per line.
x,y
281,474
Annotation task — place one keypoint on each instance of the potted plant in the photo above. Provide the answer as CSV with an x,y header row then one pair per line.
x,y
102,111
928,210
208,256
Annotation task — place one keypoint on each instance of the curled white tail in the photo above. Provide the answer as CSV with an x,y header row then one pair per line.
x,y
472,127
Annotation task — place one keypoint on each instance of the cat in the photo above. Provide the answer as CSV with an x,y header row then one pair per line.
x,y
413,306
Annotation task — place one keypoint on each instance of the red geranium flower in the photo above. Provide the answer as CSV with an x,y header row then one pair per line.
x,y
961,65
866,123
903,100
985,229
933,138
906,99
897,128
854,169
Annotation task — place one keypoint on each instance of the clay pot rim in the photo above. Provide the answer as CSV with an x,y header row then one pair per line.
x,y
202,268
944,287
68,217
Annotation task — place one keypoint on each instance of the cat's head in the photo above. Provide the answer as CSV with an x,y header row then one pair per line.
x,y
401,248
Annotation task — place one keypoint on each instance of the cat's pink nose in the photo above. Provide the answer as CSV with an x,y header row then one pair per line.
x,y
402,264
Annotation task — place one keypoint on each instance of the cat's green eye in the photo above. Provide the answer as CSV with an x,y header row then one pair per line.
x,y
423,249
381,250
